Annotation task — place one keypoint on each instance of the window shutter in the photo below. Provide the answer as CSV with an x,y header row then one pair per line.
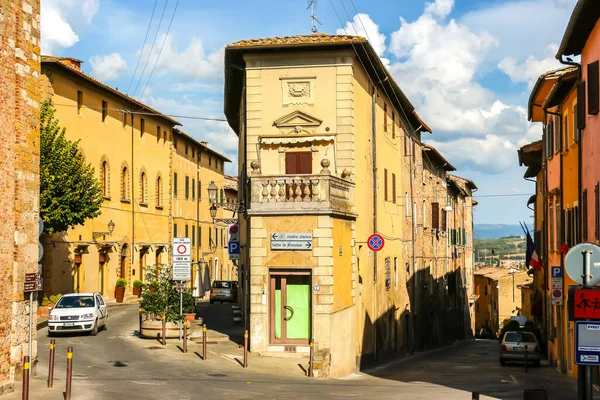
x,y
551,138
394,188
593,78
544,143
581,105
435,215
558,136
175,184
584,216
576,131
597,211
464,238
385,185
187,187
444,217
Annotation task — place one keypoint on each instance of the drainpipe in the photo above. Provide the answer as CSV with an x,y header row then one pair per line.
x,y
198,195
132,197
374,157
412,264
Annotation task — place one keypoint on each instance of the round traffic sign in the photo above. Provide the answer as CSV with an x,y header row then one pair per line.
x,y
557,293
574,263
182,249
233,229
375,242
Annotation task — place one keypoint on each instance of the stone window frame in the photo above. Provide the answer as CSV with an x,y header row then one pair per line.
x,y
158,191
124,182
143,185
105,177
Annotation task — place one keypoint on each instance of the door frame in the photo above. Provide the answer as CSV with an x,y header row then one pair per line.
x,y
283,272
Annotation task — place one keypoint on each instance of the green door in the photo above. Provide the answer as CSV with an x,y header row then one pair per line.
x,y
290,308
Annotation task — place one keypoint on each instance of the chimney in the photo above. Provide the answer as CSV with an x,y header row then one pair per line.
x,y
205,144
72,62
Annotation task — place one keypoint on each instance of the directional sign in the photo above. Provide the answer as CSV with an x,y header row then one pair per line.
x,y
33,283
233,249
587,343
287,236
375,242
291,245
180,287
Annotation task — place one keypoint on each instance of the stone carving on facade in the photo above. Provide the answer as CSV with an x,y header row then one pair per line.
x,y
325,163
346,173
255,165
297,122
296,91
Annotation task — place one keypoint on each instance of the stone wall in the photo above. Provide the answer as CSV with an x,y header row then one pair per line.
x,y
19,176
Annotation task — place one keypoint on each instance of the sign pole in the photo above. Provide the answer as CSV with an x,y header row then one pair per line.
x,y
180,309
585,371
30,326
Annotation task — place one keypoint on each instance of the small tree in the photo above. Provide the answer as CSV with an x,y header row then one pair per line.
x,y
160,295
69,191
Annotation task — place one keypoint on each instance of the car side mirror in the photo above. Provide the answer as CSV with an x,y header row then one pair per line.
x,y
50,308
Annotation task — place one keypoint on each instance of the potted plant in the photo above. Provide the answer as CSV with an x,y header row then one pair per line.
x,y
137,287
189,305
120,289
47,304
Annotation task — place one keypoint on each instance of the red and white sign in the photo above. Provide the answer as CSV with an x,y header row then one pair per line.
x,y
586,304
375,242
181,247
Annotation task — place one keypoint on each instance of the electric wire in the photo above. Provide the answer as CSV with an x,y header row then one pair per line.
x,y
142,50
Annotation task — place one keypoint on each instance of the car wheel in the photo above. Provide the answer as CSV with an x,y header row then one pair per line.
x,y
502,363
105,327
94,331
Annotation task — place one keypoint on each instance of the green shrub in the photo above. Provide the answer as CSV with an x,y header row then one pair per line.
x,y
160,296
53,299
121,282
137,283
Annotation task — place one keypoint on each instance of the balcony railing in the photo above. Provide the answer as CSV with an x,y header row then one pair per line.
x,y
290,194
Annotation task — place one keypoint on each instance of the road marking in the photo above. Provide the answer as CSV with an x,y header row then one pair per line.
x,y
515,381
230,357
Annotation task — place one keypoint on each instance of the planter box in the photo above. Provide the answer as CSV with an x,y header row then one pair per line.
x,y
152,329
191,317
44,311
137,291
119,294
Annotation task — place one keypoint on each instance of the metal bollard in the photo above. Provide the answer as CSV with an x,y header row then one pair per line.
x,y
164,330
140,316
185,336
312,358
204,342
474,396
526,359
26,365
69,373
246,349
51,364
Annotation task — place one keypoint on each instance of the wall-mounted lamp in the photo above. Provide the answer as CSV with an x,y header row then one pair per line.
x,y
111,228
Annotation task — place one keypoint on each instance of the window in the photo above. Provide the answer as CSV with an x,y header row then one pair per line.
x,y
435,215
393,124
159,192
175,230
297,162
581,105
394,188
396,272
222,196
187,187
124,118
385,128
593,80
104,179
142,126
79,101
551,219
104,110
597,211
485,290
200,236
199,188
210,160
576,132
175,184
210,241
186,149
193,188
193,236
584,217
444,221
424,213
187,232
124,183
157,134
385,185
567,140
143,188
558,134
559,232
550,138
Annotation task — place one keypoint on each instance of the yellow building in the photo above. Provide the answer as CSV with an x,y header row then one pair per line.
x,y
329,152
154,181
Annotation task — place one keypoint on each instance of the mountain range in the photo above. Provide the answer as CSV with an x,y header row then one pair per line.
x,y
492,231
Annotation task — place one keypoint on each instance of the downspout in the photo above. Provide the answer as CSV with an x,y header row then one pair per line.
x,y
132,197
198,195
412,264
374,161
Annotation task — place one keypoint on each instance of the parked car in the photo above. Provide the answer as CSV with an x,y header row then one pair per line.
x,y
515,344
224,291
78,312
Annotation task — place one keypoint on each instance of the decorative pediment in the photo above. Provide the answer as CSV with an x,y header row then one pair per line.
x,y
297,122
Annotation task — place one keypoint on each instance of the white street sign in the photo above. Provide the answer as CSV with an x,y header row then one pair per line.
x,y
182,251
182,258
291,245
303,236
182,247
182,271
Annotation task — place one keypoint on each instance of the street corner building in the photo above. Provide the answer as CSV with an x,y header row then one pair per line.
x,y
154,179
19,179
330,153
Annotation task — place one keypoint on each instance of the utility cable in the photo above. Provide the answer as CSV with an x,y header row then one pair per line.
x,y
143,45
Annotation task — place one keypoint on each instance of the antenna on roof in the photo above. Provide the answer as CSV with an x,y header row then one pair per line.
x,y
313,18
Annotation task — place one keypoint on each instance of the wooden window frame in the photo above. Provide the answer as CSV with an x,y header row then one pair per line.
x,y
385,184
104,110
593,78
385,117
393,188
435,215
79,101
175,188
393,124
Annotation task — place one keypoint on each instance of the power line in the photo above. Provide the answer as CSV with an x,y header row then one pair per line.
x,y
151,48
143,45
161,49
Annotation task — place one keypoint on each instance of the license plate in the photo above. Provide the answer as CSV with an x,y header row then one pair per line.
x,y
518,348
69,324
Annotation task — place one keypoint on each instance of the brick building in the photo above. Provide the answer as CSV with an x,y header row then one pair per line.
x,y
19,177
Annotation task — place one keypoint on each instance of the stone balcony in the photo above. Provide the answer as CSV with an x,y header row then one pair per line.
x,y
322,194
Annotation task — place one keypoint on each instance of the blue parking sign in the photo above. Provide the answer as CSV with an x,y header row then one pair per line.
x,y
233,248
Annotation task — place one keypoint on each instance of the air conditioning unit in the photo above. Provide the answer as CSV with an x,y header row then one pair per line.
x,y
448,208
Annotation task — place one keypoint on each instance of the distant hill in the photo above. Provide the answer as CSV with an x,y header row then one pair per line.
x,y
493,231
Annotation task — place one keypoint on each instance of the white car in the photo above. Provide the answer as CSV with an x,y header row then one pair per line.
x,y
78,312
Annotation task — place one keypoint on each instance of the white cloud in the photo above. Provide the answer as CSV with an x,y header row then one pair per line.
x,y
62,19
108,67
531,68
191,63
439,8
363,25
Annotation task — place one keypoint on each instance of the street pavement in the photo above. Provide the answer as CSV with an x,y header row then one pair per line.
x,y
117,364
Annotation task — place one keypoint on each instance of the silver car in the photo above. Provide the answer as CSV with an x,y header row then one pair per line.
x,y
515,344
224,291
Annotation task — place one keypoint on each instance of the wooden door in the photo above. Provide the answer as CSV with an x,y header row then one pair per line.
x,y
290,308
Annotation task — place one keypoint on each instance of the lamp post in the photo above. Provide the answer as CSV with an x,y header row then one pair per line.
x,y
111,228
214,206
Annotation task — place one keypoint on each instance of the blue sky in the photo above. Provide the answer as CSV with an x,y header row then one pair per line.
x,y
467,65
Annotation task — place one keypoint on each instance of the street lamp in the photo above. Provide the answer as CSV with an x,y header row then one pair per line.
x,y
214,206
212,192
111,228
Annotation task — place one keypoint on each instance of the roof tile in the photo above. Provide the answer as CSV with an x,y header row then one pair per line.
x,y
314,38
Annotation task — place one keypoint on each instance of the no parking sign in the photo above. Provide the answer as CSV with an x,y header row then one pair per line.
x,y
375,242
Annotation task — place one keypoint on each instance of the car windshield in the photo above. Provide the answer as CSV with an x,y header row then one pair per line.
x,y
75,302
222,285
519,337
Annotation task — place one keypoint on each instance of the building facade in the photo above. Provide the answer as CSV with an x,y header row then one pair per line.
x,y
320,127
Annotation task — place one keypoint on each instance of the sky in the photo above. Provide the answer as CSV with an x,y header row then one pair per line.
x,y
467,66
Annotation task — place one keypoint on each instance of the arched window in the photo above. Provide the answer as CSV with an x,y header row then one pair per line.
x,y
105,178
143,188
158,191
124,183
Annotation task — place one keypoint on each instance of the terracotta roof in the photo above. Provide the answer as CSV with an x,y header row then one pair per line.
x,y
62,62
230,183
496,273
438,157
469,183
540,91
197,143
313,38
585,15
530,155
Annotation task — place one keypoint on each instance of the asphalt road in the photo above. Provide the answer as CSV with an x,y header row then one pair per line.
x,y
116,364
